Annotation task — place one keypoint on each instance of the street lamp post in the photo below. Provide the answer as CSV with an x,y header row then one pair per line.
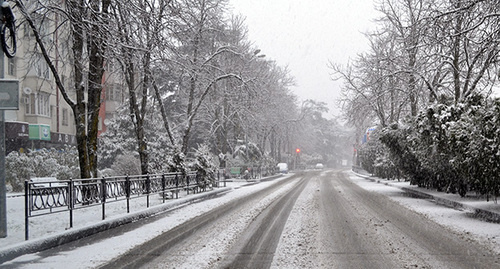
x,y
3,185
3,188
297,152
9,100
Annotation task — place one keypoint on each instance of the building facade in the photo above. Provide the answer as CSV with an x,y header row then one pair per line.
x,y
44,119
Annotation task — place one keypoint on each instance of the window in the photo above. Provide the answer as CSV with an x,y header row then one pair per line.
x,y
65,117
110,66
110,92
113,93
30,104
38,104
28,32
43,104
42,68
41,25
99,126
12,67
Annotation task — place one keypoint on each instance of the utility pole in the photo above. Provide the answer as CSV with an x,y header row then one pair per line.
x,y
3,188
3,185
297,152
9,100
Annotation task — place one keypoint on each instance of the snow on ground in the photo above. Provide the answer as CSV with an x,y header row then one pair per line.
x,y
91,256
297,247
210,247
460,221
294,241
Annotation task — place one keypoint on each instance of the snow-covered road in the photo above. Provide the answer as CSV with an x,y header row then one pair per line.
x,y
337,224
302,244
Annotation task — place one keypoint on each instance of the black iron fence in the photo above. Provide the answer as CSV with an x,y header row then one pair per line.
x,y
49,196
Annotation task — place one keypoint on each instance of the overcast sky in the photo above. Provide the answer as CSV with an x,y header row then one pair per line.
x,y
304,35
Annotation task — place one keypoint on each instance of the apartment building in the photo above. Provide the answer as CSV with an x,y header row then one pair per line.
x,y
44,119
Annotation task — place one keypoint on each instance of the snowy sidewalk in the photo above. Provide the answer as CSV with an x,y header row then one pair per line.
x,y
52,230
477,206
49,231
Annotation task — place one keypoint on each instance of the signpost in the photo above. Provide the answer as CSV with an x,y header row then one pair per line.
x,y
9,100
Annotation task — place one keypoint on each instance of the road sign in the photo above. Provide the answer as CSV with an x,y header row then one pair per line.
x,y
9,94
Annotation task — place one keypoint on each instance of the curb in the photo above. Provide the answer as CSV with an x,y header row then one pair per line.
x,y
478,213
41,244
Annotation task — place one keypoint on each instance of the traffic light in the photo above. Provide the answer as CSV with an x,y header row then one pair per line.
x,y
297,150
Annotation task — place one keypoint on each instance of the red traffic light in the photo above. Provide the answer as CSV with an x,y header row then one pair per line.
x,y
297,150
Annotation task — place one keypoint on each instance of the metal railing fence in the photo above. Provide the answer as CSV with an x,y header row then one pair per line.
x,y
48,197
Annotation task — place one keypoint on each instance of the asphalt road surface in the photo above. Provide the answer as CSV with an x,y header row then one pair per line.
x,y
322,220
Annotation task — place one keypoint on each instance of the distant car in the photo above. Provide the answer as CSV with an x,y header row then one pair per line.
x,y
283,168
319,166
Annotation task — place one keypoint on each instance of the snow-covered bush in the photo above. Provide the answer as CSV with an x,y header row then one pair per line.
x,y
120,139
61,164
421,149
396,139
127,164
370,151
384,167
176,162
453,148
17,169
268,165
249,154
432,144
117,140
204,165
476,139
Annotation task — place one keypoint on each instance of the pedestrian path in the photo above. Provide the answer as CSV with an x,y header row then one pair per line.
x,y
478,206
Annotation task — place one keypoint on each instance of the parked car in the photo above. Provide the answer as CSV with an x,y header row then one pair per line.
x,y
283,168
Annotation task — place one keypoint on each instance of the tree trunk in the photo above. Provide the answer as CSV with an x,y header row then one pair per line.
x,y
456,55
136,116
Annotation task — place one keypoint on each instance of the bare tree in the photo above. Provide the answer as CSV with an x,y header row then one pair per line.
x,y
449,48
197,58
139,31
406,21
85,26
373,90
465,44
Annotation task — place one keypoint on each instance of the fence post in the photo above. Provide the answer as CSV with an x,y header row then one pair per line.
x,y
176,186
26,210
127,192
103,198
148,186
163,186
197,183
71,204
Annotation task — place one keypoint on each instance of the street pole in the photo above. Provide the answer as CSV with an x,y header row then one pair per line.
x,y
3,189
